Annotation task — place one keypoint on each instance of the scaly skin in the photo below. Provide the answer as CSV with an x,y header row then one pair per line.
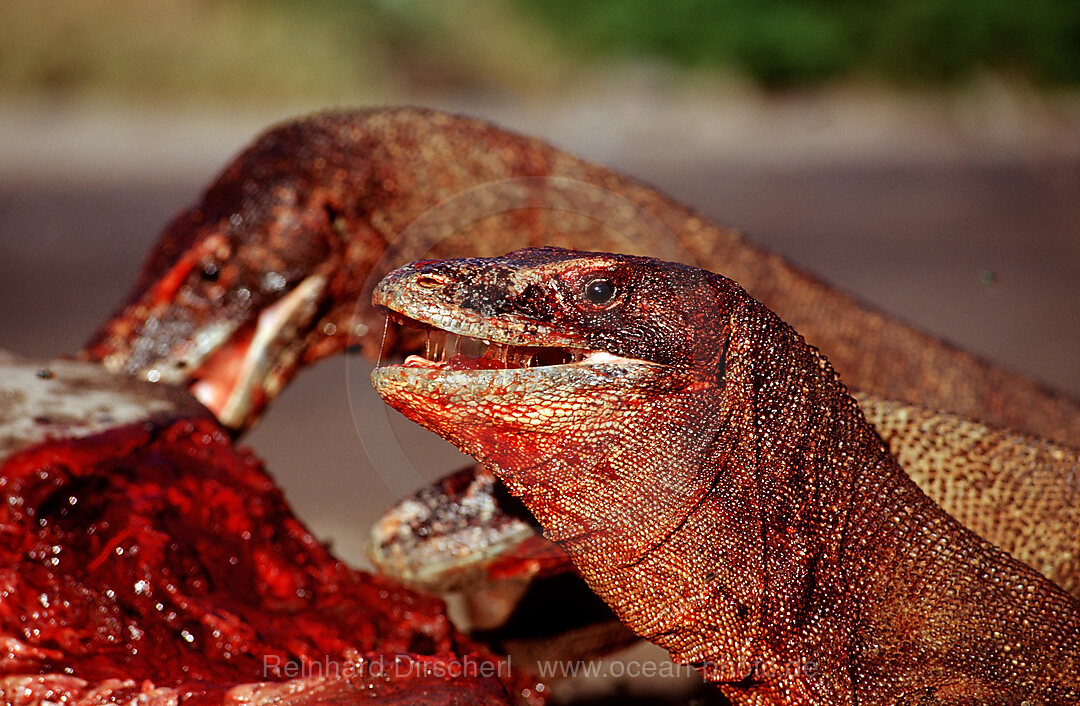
x,y
715,483
311,214
967,467
322,199
461,531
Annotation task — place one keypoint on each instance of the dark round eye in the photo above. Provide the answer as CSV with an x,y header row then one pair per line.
x,y
599,291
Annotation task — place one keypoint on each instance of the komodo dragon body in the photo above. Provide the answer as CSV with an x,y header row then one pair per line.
x,y
715,484
273,267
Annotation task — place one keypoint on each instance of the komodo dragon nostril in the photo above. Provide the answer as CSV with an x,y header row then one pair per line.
x,y
430,281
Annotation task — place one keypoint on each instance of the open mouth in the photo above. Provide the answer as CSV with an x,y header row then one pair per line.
x,y
235,381
447,350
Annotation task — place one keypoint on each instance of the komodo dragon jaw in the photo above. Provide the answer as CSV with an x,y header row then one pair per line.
x,y
230,318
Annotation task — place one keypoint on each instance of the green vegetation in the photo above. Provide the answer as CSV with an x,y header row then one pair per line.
x,y
800,41
346,51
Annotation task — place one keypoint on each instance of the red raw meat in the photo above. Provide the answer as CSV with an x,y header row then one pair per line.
x,y
159,556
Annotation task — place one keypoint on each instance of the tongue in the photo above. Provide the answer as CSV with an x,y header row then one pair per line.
x,y
217,377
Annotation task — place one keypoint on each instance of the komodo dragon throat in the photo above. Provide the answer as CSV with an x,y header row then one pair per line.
x,y
712,479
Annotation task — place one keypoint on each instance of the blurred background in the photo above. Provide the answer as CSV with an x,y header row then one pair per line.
x,y
924,154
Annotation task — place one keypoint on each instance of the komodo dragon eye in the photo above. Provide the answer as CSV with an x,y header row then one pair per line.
x,y
599,291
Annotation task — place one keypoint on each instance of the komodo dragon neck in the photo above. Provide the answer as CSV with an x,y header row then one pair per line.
x,y
711,478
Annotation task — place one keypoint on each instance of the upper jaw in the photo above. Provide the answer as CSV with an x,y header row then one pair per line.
x,y
413,297
428,296
419,296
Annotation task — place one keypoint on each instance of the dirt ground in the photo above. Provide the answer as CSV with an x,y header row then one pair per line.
x,y
966,226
